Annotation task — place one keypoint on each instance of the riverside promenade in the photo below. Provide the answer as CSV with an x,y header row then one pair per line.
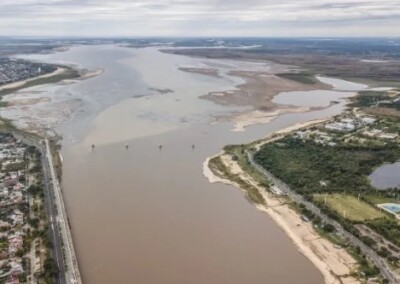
x,y
72,274
63,250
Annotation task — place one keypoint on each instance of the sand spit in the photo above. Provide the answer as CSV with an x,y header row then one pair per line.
x,y
18,84
243,120
90,74
334,263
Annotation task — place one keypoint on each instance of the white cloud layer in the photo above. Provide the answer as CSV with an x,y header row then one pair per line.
x,y
200,18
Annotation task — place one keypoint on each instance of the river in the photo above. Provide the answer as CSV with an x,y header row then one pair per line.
x,y
145,215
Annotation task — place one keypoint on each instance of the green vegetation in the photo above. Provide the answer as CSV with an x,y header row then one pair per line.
x,y
366,267
218,168
379,198
369,98
310,168
14,167
390,124
389,228
69,73
355,210
301,77
50,271
378,103
239,153
339,174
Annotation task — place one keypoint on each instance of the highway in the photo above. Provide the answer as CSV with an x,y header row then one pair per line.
x,y
54,229
60,221
377,260
62,250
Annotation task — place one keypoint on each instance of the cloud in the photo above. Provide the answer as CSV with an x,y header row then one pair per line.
x,y
200,18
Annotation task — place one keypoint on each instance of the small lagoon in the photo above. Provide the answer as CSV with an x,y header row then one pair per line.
x,y
386,176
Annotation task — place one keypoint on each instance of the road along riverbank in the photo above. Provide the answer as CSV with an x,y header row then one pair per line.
x,y
335,264
63,250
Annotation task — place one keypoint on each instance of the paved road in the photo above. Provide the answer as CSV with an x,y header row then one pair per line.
x,y
51,210
71,272
53,224
378,261
63,250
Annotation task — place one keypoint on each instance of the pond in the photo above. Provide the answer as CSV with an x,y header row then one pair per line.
x,y
386,176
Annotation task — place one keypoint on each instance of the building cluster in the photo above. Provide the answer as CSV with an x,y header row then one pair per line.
x,y
378,133
13,198
345,129
348,124
317,136
13,70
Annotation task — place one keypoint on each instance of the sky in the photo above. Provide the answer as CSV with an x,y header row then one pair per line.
x,y
268,18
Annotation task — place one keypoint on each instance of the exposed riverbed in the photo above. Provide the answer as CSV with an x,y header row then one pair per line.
x,y
147,215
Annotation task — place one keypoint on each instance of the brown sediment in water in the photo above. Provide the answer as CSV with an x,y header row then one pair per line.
x,y
160,219
335,264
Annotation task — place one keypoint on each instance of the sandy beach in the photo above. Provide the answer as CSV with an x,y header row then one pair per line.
x,y
91,73
245,119
334,263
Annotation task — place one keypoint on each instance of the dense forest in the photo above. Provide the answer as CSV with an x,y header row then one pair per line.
x,y
309,167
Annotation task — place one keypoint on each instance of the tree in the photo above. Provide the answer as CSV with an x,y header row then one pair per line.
x,y
328,228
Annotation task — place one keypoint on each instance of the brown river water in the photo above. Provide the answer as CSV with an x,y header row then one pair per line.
x,y
149,216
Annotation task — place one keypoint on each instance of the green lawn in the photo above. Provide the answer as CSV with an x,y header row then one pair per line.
x,y
377,199
354,209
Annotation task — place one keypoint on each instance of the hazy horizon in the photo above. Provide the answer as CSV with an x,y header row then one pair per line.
x,y
207,18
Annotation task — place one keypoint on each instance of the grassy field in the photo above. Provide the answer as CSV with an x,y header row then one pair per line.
x,y
354,209
377,199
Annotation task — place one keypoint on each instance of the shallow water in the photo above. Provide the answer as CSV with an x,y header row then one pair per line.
x,y
342,85
386,176
148,216
316,98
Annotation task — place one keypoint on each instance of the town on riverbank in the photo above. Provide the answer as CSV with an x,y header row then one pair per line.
x,y
35,242
305,210
316,180
25,248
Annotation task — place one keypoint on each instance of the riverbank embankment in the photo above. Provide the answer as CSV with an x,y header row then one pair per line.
x,y
336,264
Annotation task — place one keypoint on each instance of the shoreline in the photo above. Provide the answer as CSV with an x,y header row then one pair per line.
x,y
19,84
334,264
91,73
257,91
249,118
278,218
